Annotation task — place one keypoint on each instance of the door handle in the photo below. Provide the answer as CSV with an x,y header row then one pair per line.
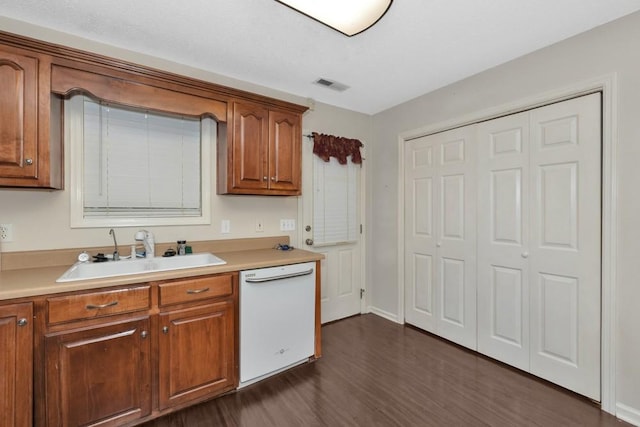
x,y
281,277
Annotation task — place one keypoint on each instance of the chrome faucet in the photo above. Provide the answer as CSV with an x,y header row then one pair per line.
x,y
116,255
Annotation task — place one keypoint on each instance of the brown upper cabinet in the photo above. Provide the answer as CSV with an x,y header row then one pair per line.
x,y
261,153
30,148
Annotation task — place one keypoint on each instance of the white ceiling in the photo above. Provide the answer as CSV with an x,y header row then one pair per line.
x,y
417,47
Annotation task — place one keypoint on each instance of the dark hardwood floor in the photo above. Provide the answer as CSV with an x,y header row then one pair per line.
x,y
377,373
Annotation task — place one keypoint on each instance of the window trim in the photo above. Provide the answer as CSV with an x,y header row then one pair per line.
x,y
73,131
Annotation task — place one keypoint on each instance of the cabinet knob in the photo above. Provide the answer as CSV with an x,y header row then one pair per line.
x,y
165,330
22,322
144,334
29,161
273,178
525,254
264,178
309,242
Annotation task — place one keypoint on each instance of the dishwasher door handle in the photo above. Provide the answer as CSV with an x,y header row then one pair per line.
x,y
283,276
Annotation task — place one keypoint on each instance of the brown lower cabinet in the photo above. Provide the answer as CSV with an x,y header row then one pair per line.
x,y
195,353
99,375
16,364
124,355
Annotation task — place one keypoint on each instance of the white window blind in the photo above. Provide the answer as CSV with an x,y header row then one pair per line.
x,y
139,164
334,202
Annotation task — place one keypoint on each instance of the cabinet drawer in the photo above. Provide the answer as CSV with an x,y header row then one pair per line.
x,y
97,304
195,289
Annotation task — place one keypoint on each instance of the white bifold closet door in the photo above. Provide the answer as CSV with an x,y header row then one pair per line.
x,y
539,240
440,235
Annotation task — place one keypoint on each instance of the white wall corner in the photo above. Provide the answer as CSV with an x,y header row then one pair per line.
x,y
385,314
628,414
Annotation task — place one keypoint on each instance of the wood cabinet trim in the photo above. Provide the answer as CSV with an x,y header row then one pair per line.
x,y
65,80
65,55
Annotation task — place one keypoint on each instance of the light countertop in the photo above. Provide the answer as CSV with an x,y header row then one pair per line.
x,y
29,282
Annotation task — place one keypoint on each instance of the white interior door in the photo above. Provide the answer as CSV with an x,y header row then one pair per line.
x,y
440,292
420,233
564,254
503,239
341,269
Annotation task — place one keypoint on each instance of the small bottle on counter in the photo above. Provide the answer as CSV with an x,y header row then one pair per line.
x,y
182,247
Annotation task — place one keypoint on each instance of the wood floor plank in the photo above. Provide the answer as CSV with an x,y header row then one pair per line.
x,y
376,373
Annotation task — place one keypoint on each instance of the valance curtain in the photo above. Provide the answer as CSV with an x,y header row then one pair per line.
x,y
327,146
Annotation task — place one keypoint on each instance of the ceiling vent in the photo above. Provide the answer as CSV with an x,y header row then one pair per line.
x,y
340,87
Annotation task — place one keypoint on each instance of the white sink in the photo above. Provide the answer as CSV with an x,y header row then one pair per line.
x,y
98,270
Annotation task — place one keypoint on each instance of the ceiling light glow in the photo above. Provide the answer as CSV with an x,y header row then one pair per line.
x,y
350,17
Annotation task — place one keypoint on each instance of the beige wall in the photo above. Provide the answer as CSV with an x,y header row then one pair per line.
x,y
40,219
612,48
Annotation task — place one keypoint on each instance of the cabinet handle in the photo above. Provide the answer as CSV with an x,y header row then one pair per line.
x,y
165,330
29,161
22,322
197,291
144,334
99,306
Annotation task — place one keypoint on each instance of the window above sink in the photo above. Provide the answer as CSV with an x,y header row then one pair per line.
x,y
134,167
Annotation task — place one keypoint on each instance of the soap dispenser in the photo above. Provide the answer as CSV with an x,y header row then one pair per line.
x,y
148,241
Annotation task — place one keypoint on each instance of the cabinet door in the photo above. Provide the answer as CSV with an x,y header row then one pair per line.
x,y
18,110
99,376
16,365
250,145
284,151
197,353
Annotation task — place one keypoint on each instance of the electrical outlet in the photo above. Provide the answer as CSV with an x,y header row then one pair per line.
x,y
6,233
225,226
259,226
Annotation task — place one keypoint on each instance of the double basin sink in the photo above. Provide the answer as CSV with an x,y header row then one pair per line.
x,y
99,270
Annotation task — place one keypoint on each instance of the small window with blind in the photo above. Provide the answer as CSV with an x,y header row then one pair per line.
x,y
135,167
335,202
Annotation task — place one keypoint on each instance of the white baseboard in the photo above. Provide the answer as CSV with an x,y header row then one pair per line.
x,y
628,414
385,314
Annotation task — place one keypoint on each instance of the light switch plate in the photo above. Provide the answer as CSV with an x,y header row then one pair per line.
x,y
225,226
287,224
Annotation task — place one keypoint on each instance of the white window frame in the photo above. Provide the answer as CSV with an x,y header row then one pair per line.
x,y
73,129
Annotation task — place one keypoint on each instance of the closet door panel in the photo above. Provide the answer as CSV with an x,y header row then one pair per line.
x,y
503,215
456,236
420,239
565,244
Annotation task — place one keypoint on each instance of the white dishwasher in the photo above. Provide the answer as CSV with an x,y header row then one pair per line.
x,y
277,319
